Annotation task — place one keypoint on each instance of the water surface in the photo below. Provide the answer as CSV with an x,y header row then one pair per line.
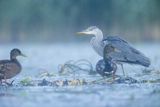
x,y
48,57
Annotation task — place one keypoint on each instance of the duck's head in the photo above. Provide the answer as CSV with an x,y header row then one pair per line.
x,y
16,52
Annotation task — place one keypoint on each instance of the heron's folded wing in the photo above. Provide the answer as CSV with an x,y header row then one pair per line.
x,y
118,43
125,52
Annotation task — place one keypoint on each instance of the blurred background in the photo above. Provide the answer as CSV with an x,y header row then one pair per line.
x,y
56,21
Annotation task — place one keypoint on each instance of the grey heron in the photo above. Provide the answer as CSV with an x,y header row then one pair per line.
x,y
123,51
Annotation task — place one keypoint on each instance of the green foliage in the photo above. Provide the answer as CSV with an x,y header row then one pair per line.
x,y
26,81
21,19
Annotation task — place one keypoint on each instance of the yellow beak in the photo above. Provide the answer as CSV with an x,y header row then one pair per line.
x,y
81,33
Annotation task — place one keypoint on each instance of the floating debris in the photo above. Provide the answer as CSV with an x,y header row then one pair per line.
x,y
116,79
44,82
45,73
127,80
27,82
151,81
75,82
72,67
60,83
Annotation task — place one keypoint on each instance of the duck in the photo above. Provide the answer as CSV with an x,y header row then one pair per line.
x,y
12,67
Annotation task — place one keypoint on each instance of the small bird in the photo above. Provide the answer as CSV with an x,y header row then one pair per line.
x,y
106,68
10,68
123,52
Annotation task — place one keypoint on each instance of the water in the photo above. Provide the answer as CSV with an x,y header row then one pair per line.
x,y
48,57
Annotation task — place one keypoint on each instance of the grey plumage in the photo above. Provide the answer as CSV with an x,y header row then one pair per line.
x,y
124,52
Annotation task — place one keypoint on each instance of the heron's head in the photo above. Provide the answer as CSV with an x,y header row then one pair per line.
x,y
93,30
16,52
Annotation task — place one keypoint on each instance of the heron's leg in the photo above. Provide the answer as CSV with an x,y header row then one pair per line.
x,y
114,71
5,80
122,69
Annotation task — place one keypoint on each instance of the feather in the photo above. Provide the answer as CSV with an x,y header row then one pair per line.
x,y
126,53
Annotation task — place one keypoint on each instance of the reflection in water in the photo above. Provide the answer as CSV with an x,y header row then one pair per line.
x,y
6,95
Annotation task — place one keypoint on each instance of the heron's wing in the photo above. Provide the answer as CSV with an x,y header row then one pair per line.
x,y
117,42
124,52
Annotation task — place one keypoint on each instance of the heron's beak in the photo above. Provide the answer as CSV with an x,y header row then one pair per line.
x,y
81,33
23,55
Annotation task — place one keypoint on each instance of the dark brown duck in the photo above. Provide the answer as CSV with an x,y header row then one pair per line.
x,y
10,68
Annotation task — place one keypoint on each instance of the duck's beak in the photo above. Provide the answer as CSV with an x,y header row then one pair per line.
x,y
23,55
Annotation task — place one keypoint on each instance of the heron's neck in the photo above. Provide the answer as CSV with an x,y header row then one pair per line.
x,y
96,42
99,35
